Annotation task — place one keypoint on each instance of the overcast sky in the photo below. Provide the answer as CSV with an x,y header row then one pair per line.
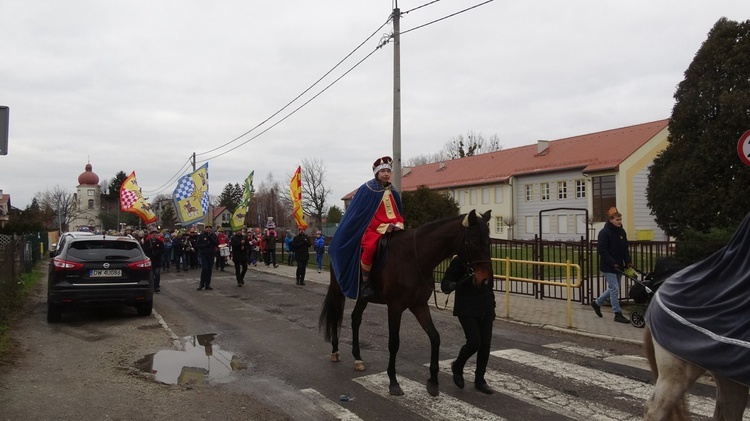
x,y
142,85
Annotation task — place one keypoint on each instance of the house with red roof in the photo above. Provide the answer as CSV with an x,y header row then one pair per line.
x,y
557,189
221,217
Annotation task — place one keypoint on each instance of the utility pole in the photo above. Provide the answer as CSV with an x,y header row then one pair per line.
x,y
396,179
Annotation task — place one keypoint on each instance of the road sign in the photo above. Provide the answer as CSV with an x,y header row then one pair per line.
x,y
4,121
743,148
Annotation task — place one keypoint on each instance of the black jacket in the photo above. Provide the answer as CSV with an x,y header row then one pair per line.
x,y
612,247
207,243
301,246
153,247
239,245
471,300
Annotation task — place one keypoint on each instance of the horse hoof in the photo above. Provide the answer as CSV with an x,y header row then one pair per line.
x,y
432,388
359,365
395,390
335,357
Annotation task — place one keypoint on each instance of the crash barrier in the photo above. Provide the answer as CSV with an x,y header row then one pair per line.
x,y
572,280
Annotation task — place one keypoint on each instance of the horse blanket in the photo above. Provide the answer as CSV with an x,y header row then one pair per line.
x,y
702,313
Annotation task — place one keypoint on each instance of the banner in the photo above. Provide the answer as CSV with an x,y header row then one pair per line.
x,y
295,188
191,201
131,200
240,214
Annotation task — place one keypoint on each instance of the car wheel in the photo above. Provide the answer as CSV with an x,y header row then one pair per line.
x,y
145,308
54,313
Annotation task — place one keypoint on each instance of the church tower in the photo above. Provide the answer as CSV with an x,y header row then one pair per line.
x,y
88,202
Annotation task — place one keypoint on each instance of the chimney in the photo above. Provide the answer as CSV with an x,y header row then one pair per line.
x,y
441,166
542,147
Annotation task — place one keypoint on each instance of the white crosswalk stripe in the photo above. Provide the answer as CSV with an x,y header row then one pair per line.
x,y
443,407
553,400
544,397
698,405
336,410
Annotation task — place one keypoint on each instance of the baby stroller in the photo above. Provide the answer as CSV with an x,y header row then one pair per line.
x,y
643,289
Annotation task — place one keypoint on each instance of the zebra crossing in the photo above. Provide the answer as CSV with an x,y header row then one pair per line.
x,y
447,407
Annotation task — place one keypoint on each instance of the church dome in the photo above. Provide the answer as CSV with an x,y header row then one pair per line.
x,y
88,177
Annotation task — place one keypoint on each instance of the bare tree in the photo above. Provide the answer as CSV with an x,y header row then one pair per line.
x,y
458,147
62,203
472,144
314,190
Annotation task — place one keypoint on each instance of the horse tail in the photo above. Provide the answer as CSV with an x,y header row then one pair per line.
x,y
332,313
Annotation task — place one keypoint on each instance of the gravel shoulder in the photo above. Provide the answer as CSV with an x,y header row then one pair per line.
x,y
83,369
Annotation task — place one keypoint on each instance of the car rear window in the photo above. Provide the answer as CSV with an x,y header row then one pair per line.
x,y
104,250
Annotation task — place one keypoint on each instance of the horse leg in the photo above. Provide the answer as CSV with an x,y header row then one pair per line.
x,y
394,342
359,308
731,399
422,313
675,376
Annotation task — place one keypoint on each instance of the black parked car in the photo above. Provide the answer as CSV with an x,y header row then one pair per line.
x,y
99,270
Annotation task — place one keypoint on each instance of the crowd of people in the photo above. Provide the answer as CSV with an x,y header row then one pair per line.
x,y
183,249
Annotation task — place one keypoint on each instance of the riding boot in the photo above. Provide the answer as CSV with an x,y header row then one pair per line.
x,y
367,290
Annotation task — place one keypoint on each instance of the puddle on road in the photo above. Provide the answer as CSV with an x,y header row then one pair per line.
x,y
202,361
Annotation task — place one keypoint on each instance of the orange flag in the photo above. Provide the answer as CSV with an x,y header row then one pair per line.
x,y
295,188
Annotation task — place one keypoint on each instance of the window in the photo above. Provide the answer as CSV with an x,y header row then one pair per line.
x,y
580,189
91,192
562,190
562,224
499,194
530,224
529,192
544,191
498,225
461,197
485,195
473,196
604,196
91,203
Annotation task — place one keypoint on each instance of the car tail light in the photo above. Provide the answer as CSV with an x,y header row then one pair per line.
x,y
61,264
142,265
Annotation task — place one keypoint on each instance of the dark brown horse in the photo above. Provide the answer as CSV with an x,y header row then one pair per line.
x,y
406,282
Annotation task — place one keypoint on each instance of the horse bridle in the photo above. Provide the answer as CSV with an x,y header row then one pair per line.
x,y
469,274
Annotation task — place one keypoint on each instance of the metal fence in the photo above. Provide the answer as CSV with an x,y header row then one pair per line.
x,y
582,253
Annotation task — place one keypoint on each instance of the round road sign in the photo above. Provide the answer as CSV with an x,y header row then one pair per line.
x,y
743,148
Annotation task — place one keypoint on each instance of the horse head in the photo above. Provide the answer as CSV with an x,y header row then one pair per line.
x,y
474,251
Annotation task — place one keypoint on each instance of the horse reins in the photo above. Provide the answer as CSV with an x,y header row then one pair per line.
x,y
467,275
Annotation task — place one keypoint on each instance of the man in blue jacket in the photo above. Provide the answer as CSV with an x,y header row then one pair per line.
x,y
614,257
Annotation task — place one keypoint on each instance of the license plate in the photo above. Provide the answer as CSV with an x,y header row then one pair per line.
x,y
105,273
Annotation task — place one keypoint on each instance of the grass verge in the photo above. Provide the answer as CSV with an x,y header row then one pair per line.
x,y
19,295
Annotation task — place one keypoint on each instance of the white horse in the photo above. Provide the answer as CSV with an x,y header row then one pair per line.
x,y
674,377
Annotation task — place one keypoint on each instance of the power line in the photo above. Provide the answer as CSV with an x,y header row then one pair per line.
x,y
295,98
384,41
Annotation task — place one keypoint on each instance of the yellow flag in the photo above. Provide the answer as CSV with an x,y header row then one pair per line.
x,y
191,199
240,214
295,188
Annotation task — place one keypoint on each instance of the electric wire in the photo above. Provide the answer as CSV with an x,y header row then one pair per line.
x,y
298,96
182,170
446,17
295,110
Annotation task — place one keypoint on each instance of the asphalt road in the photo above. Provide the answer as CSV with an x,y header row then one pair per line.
x,y
258,354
